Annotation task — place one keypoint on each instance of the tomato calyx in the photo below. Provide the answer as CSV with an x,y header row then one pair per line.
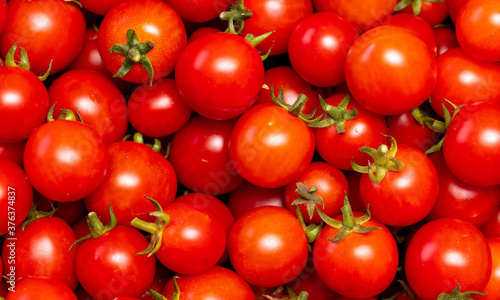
x,y
134,52
457,295
415,4
236,13
23,61
312,230
308,197
155,229
74,2
296,107
175,296
336,115
255,40
384,160
349,223
139,138
66,114
34,215
96,227
301,296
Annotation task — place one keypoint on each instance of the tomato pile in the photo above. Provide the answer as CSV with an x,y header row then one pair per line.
x,y
220,149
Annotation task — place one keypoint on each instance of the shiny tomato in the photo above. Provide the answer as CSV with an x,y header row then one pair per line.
x,y
417,25
471,145
41,288
477,29
199,11
219,75
279,17
318,47
432,12
267,246
153,21
454,7
248,196
49,30
382,66
445,38
100,7
491,290
445,253
406,130
269,147
65,160
492,227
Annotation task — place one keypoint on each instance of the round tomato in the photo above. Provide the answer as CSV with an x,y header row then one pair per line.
x,y
432,12
199,11
491,290
13,151
100,7
445,39
417,25
382,67
249,196
41,288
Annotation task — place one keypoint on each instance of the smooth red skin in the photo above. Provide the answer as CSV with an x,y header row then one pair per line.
x,y
100,7
193,241
364,15
43,246
200,156
353,178
219,75
417,25
217,207
361,265
457,199
98,101
280,17
201,32
382,66
445,38
267,246
454,7
463,79
471,146
11,175
332,186
65,160
403,198
310,282
432,12
367,129
492,226
248,196
293,85
108,266
41,288
199,11
318,47
492,289
24,101
134,171
477,29
13,151
70,212
215,283
3,14
158,110
47,30
406,130
444,253
164,28
269,147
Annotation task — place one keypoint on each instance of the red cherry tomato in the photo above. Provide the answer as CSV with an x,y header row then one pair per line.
x,y
199,11
432,12
248,196
41,288
100,7
445,39
417,25
13,151
491,290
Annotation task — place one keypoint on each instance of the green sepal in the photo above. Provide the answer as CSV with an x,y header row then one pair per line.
x,y
34,215
457,295
337,116
237,13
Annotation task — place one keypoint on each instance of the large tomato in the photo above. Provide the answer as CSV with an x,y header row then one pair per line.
x,y
153,21
382,67
219,75
47,29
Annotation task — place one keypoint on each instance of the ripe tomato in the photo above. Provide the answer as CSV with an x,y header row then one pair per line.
x,y
24,101
200,156
382,66
47,29
100,7
41,288
280,17
134,170
42,250
267,246
406,130
432,12
491,290
13,151
364,15
445,253
3,14
318,47
153,21
248,196
360,265
98,101
215,283
108,266
16,196
492,227
219,75
417,25
445,39
454,7
477,29
269,147
471,145
199,11
65,160
158,110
